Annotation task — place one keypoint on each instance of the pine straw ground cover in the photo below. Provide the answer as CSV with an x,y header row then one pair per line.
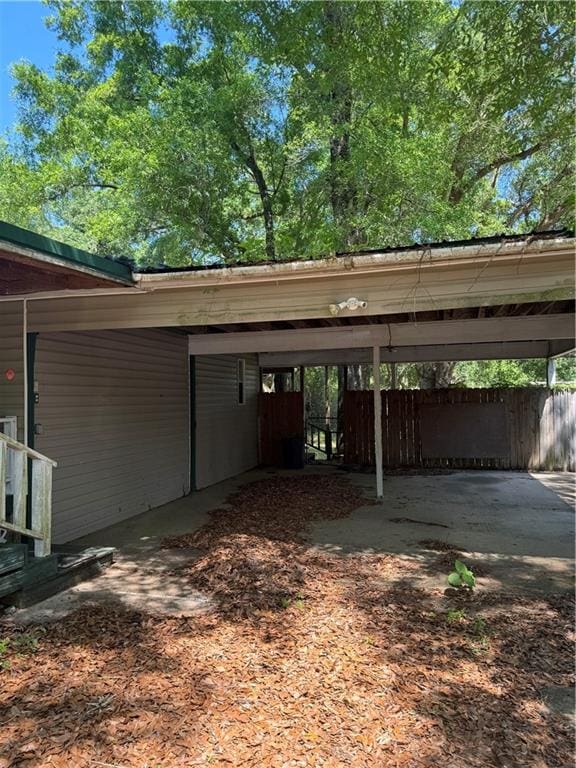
x,y
309,659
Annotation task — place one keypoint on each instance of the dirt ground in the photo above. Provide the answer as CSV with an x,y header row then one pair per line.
x,y
305,655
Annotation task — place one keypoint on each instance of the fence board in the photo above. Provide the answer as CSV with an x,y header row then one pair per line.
x,y
281,415
541,428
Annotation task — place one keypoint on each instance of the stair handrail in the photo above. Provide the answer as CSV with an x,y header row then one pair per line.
x,y
40,528
30,452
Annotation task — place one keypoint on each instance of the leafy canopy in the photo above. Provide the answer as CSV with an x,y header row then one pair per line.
x,y
181,131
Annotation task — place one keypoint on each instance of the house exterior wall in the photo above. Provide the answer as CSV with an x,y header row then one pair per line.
x,y
114,413
12,356
226,432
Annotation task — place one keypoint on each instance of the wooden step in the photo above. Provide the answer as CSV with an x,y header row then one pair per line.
x,y
57,572
12,557
39,569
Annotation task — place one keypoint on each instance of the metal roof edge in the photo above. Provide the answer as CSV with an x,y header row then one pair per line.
x,y
72,256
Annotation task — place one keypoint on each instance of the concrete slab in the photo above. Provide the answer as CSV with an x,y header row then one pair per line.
x,y
144,532
519,527
143,581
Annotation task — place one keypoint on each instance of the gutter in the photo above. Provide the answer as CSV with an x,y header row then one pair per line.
x,y
360,264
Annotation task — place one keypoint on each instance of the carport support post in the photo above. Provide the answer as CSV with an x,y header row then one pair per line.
x,y
550,372
377,421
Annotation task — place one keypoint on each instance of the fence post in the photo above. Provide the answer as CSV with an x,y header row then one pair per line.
x,y
328,443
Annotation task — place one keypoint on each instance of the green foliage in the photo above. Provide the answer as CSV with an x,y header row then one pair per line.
x,y
4,648
297,602
181,132
17,644
512,373
461,577
454,616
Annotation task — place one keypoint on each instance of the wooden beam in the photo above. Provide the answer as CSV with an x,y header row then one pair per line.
x,y
559,348
377,422
511,350
543,327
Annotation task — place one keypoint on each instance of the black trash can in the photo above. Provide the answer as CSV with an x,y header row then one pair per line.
x,y
293,452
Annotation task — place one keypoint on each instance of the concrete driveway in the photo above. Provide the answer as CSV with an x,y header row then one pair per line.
x,y
516,528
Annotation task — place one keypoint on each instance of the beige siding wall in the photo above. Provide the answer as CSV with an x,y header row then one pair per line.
x,y
114,413
226,432
12,356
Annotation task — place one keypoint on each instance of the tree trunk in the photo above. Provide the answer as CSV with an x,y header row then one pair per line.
x,y
436,375
327,394
342,387
249,159
355,377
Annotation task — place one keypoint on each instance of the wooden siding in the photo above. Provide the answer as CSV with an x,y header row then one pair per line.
x,y
408,287
226,432
540,428
12,356
114,413
281,416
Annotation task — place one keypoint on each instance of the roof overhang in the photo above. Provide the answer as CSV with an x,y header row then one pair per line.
x,y
502,272
421,257
32,264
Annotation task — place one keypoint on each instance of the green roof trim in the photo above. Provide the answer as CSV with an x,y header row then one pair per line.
x,y
67,253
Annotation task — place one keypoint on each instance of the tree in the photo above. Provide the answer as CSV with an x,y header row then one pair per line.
x,y
184,132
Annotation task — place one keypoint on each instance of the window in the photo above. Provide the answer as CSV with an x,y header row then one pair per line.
x,y
241,376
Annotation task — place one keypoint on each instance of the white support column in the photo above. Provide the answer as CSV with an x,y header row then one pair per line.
x,y
377,422
551,371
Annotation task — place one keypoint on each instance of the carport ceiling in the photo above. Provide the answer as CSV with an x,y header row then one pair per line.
x,y
465,313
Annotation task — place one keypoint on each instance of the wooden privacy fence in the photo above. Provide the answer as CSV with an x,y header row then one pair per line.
x,y
525,428
281,415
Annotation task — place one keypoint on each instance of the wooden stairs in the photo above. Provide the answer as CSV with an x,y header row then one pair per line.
x,y
25,579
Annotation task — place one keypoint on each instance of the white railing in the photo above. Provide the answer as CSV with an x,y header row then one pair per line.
x,y
41,490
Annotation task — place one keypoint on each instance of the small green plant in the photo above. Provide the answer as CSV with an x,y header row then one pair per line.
x,y
4,647
298,601
24,644
21,644
453,615
461,577
479,626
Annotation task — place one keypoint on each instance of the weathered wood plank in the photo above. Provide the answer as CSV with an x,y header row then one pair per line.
x,y
42,505
19,488
540,430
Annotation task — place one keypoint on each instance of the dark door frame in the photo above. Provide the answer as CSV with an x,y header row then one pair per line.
x,y
192,393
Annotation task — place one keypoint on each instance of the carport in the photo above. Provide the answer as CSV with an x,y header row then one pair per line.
x,y
104,379
485,429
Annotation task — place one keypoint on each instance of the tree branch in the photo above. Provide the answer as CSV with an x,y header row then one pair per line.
x,y
459,189
82,185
